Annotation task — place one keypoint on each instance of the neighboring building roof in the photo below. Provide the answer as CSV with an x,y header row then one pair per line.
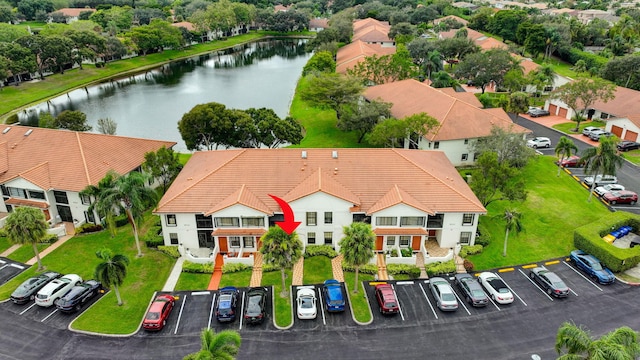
x,y
626,101
372,34
281,7
185,24
73,12
68,160
423,179
368,22
319,23
458,119
527,64
456,18
635,119
351,54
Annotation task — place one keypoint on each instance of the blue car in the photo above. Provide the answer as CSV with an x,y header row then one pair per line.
x,y
226,307
333,297
592,266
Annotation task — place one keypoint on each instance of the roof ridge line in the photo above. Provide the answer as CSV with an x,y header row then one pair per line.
x,y
84,159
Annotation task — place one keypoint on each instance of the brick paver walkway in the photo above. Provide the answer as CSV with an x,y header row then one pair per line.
x,y
459,265
382,267
298,272
216,276
256,274
420,265
336,266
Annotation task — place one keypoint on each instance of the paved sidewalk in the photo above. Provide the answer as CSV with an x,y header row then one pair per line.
x,y
172,280
336,266
10,250
256,274
382,267
49,249
298,272
420,265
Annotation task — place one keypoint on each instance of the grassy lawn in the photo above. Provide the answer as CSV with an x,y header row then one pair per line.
x,y
237,279
569,126
359,303
317,269
633,156
320,125
554,207
4,244
192,281
183,158
282,305
25,252
16,97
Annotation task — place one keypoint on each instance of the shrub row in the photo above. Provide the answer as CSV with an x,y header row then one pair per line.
x,y
121,220
365,269
49,239
229,268
153,238
470,250
588,238
316,250
591,60
88,228
411,270
440,268
170,250
191,267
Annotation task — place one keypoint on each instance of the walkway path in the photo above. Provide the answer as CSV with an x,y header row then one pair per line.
x,y
298,272
10,250
256,274
214,284
460,265
420,265
336,266
172,280
382,267
49,249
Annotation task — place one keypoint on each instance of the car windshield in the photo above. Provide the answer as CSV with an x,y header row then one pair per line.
x,y
225,304
596,266
448,297
559,285
335,302
254,304
390,305
306,303
477,293
503,290
153,316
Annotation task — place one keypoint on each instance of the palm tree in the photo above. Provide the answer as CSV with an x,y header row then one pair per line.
x,y
564,149
602,160
103,209
621,343
112,270
282,250
27,225
128,192
223,345
433,63
512,222
357,246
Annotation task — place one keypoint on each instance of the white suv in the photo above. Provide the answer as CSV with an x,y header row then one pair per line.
x,y
601,180
56,289
539,142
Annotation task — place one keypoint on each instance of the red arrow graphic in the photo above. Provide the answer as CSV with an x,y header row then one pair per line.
x,y
289,224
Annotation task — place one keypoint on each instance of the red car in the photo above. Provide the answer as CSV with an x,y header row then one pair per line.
x,y
571,161
158,313
387,300
621,197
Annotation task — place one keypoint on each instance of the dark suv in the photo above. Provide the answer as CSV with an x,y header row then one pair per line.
x,y
28,289
227,300
78,295
386,297
471,289
254,312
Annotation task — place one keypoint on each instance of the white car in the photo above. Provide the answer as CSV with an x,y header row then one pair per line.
x,y
56,289
496,288
601,190
600,180
442,291
539,142
587,131
306,303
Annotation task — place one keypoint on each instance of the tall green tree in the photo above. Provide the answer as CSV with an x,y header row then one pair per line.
x,y
321,61
112,271
163,165
217,346
483,68
205,126
357,246
108,211
263,127
88,45
395,132
575,342
507,144
107,126
281,250
580,94
72,120
603,159
27,225
512,222
362,117
518,103
331,91
496,181
564,149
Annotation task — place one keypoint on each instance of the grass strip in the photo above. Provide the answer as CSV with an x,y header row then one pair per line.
x,y
282,305
317,269
359,303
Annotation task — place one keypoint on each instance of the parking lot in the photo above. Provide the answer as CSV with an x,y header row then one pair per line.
x,y
324,319
579,175
418,306
9,269
50,316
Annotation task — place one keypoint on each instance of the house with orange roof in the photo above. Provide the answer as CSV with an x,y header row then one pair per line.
x,y
221,202
318,24
372,31
47,168
452,17
625,128
626,102
462,119
72,14
355,52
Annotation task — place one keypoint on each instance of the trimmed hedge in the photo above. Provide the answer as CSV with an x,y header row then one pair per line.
x,y
269,268
88,228
121,220
411,270
153,238
234,267
49,239
588,238
170,250
365,269
440,268
191,267
316,250
471,250
3,232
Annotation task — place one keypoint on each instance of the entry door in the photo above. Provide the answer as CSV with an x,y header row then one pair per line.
x,y
222,241
65,213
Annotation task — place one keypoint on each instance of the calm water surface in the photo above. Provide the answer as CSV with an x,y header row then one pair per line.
x,y
261,74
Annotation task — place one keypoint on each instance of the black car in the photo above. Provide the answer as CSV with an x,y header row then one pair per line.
x,y
78,295
254,312
28,289
535,112
628,145
471,289
226,308
549,281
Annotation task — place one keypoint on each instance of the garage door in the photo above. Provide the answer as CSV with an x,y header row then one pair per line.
x,y
553,109
631,136
617,130
562,112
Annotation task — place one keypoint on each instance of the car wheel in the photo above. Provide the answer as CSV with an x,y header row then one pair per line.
x,y
164,322
78,307
535,146
469,299
32,297
549,291
613,202
531,275
632,203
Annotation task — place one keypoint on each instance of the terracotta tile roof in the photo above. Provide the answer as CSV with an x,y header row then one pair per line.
x,y
485,42
400,231
456,18
244,197
458,119
626,101
351,54
467,97
635,119
185,24
527,64
25,202
425,178
239,232
321,180
397,196
364,23
319,23
68,160
491,43
372,34
73,12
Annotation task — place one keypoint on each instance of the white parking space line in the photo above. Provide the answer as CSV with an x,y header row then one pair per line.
x,y
573,292
536,285
584,277
460,301
184,300
2,262
242,311
513,292
490,299
48,316
428,302
321,306
4,266
17,266
196,293
397,301
27,309
213,301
